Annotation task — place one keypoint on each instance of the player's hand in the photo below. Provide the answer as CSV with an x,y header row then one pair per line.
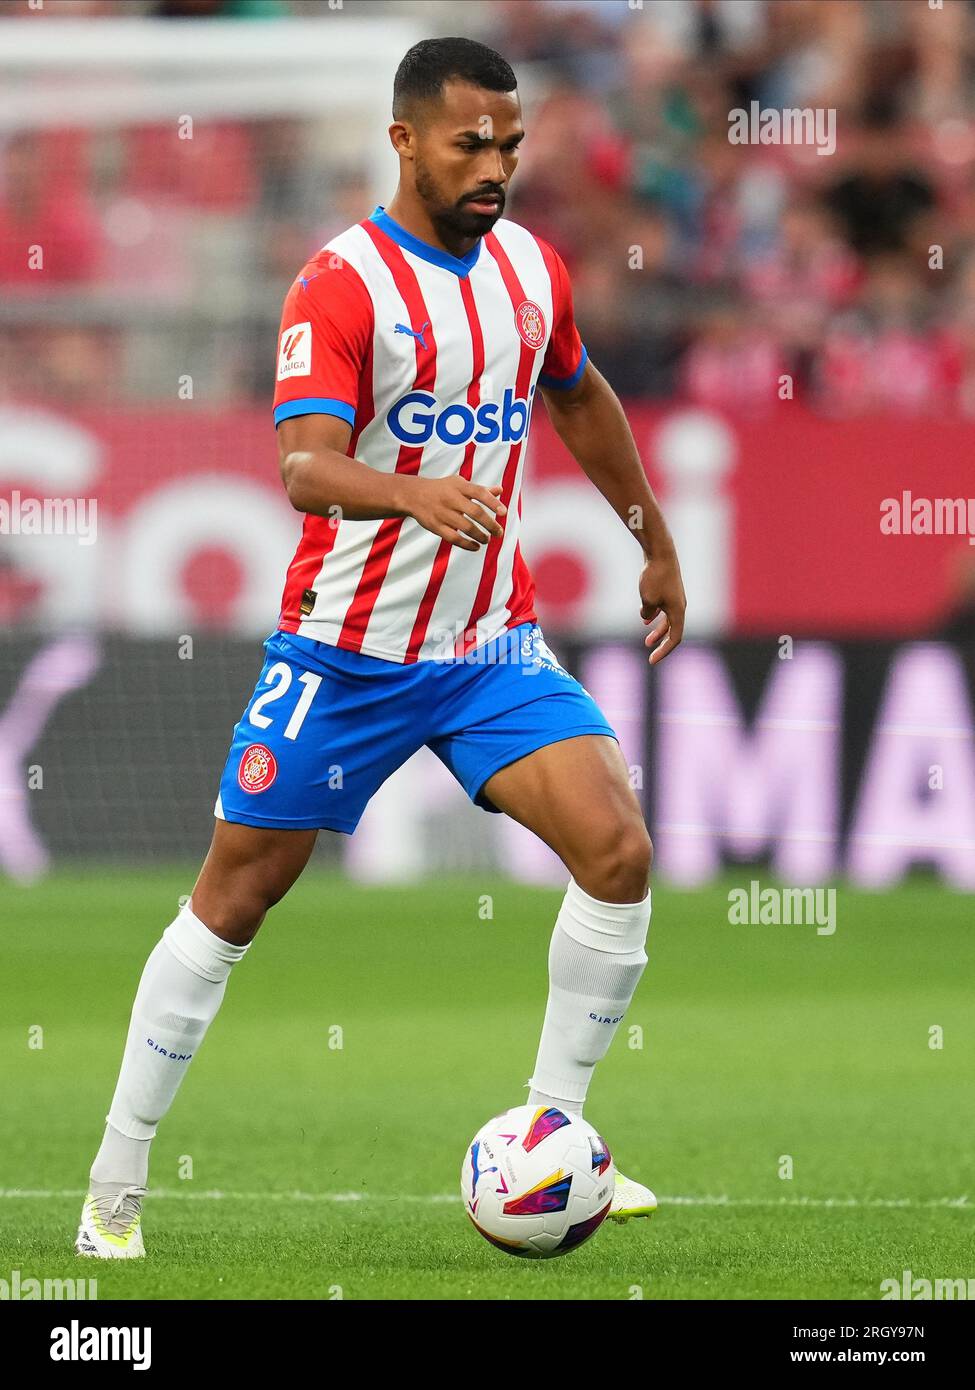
x,y
457,510
662,602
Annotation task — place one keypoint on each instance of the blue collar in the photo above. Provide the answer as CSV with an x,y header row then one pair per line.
x,y
460,265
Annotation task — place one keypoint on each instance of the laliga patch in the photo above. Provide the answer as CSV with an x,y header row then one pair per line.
x,y
542,655
530,322
258,768
294,353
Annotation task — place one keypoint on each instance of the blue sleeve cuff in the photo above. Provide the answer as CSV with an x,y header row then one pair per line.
x,y
314,405
566,383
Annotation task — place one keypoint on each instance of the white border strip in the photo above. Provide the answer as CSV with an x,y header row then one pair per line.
x,y
447,1198
46,43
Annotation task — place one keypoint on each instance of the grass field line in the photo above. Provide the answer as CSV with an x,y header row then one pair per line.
x,y
442,1198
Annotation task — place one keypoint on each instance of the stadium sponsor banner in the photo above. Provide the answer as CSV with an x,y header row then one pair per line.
x,y
816,760
149,522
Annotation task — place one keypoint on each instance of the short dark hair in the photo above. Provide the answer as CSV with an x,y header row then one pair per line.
x,y
432,62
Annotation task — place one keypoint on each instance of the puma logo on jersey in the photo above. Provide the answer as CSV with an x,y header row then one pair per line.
x,y
294,353
418,335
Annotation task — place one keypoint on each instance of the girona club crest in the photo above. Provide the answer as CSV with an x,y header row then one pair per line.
x,y
530,322
258,768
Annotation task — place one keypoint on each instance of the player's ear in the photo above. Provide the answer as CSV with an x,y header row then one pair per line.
x,y
402,138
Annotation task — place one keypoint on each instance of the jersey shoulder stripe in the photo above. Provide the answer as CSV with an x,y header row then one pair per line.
x,y
326,331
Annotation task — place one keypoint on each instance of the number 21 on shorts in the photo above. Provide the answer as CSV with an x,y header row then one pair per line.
x,y
279,680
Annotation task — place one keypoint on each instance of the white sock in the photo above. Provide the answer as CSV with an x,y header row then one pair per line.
x,y
178,996
595,961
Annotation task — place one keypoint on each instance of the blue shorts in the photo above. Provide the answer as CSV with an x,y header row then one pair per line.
x,y
326,727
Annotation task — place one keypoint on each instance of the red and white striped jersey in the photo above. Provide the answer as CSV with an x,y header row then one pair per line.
x,y
434,361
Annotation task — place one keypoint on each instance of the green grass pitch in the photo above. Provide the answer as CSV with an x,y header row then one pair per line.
x,y
321,1171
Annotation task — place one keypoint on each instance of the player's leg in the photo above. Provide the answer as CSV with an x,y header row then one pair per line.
x,y
298,761
522,736
247,870
575,795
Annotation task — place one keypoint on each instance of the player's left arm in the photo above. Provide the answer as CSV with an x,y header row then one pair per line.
x,y
590,421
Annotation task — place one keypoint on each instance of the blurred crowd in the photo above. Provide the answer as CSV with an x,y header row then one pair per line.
x,y
846,279
725,274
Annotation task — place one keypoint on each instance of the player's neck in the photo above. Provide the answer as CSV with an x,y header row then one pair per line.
x,y
413,217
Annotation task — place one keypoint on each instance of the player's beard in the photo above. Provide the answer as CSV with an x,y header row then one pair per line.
x,y
454,221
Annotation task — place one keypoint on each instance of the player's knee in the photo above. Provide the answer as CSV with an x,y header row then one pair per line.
x,y
621,869
634,858
237,910
235,919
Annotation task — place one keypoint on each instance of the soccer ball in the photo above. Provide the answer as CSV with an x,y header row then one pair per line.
x,y
537,1182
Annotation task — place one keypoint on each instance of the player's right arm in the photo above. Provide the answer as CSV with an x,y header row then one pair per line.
x,y
320,478
323,350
